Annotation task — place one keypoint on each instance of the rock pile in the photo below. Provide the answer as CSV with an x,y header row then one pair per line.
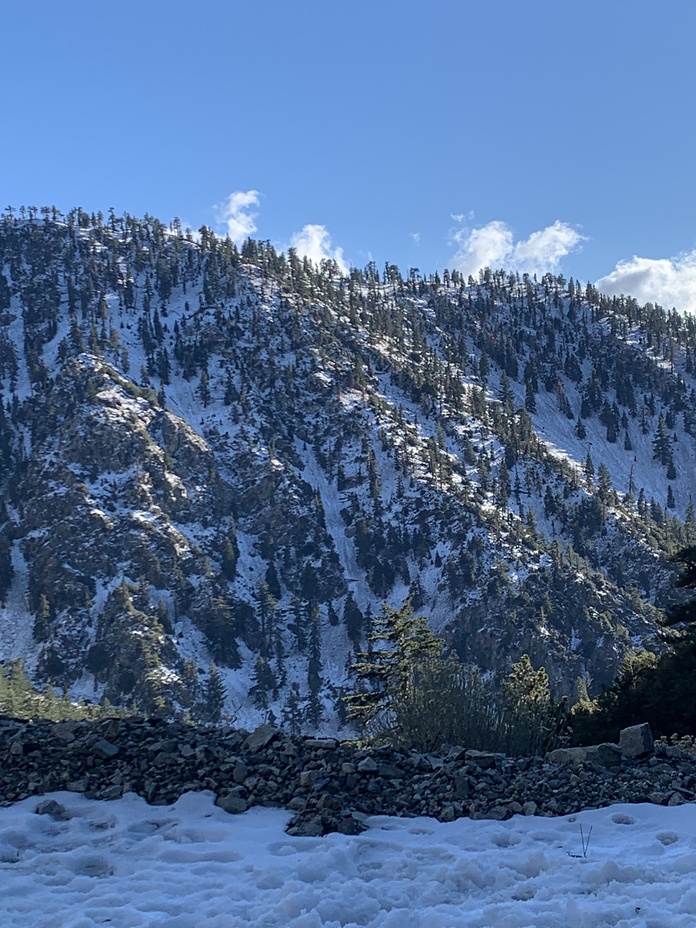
x,y
329,785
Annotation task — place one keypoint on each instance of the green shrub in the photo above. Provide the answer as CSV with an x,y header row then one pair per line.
x,y
451,704
410,695
20,699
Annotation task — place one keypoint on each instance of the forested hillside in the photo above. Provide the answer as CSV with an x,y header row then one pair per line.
x,y
216,464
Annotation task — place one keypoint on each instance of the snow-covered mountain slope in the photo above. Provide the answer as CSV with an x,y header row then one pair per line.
x,y
214,455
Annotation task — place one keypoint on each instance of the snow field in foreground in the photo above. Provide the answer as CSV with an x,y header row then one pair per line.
x,y
126,864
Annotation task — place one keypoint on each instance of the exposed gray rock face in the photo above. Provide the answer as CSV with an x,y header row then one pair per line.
x,y
329,785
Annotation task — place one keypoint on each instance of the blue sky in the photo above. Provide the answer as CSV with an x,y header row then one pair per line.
x,y
536,135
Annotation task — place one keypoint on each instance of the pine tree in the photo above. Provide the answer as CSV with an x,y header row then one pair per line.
x,y
215,695
267,609
535,718
530,403
314,668
332,616
6,568
484,368
204,387
231,395
662,443
690,522
530,522
20,695
550,504
397,644
293,715
507,397
228,556
354,620
42,620
526,687
589,469
604,483
504,486
264,682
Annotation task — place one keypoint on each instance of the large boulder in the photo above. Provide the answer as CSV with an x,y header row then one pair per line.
x,y
567,756
636,741
259,738
604,755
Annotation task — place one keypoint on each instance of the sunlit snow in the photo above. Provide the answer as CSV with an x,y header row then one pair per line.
x,y
191,865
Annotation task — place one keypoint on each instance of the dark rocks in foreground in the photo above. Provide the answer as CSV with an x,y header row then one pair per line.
x,y
329,785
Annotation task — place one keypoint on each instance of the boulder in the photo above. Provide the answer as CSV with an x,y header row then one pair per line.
x,y
567,756
483,759
106,748
259,738
240,772
308,827
232,804
390,772
497,814
54,809
461,786
636,741
367,765
447,814
604,755
351,823
64,731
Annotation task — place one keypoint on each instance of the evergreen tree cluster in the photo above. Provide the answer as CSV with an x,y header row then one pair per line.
x,y
410,694
20,699
660,690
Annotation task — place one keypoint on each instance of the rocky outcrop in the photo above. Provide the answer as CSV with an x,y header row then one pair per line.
x,y
329,785
634,742
112,487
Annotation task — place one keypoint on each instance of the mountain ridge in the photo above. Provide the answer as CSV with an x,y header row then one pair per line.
x,y
211,453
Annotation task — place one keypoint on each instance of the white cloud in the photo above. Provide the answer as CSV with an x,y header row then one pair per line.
x,y
493,246
314,242
489,246
238,214
463,217
415,237
543,250
671,282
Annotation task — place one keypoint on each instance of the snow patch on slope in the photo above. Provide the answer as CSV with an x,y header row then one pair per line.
x,y
16,622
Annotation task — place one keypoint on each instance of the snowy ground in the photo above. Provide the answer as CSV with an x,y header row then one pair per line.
x,y
126,864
